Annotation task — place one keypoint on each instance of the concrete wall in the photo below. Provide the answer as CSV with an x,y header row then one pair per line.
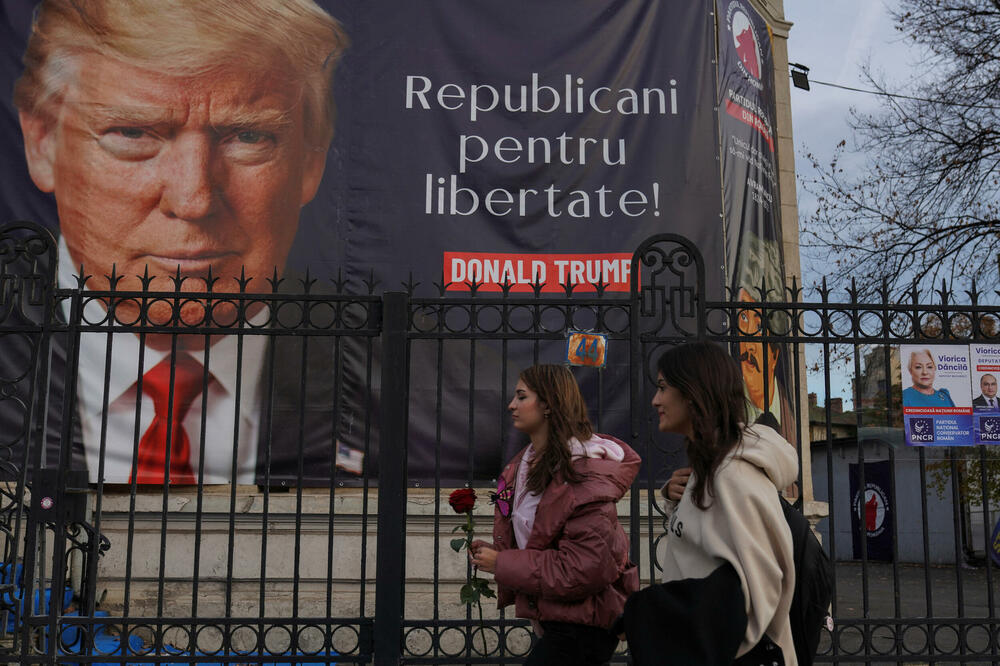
x,y
330,548
942,526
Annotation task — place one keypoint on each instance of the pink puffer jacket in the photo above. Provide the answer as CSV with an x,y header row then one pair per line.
x,y
575,566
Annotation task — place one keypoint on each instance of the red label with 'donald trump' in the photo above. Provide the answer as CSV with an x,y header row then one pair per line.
x,y
493,270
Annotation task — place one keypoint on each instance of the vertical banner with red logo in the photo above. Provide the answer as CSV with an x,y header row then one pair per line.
x,y
751,205
872,511
985,366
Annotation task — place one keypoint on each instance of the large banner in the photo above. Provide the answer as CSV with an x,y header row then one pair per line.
x,y
464,141
746,102
995,544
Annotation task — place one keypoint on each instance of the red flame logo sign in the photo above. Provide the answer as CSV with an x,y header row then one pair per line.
x,y
745,40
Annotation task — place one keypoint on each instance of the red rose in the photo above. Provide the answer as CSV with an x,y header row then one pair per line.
x,y
462,500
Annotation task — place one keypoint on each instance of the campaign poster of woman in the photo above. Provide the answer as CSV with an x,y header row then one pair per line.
x,y
937,401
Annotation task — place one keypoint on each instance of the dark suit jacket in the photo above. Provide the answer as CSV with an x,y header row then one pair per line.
x,y
294,424
980,404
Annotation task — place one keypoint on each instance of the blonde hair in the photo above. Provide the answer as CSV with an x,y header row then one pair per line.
x,y
187,38
909,365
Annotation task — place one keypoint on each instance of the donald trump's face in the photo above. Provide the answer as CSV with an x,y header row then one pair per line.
x,y
188,173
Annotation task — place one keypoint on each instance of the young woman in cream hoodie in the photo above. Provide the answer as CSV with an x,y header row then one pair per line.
x,y
728,569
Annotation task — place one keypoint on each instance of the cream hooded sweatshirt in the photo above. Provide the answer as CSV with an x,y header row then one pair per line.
x,y
745,526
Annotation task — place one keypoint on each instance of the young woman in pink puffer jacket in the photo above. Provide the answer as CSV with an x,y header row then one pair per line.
x,y
559,553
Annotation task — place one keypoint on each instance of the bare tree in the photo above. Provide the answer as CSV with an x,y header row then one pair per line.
x,y
927,205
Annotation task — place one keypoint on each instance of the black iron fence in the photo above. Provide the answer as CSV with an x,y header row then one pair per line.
x,y
308,523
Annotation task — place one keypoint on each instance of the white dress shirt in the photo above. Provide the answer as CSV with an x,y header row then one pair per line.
x,y
215,458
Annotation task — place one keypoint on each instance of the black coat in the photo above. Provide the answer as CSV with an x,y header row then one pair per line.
x,y
690,621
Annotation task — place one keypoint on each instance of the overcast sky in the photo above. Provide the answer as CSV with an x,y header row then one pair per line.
x,y
834,39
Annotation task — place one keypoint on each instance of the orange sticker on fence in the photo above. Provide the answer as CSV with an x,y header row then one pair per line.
x,y
587,349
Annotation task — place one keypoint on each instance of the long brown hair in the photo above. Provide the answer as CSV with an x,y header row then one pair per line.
x,y
567,418
711,381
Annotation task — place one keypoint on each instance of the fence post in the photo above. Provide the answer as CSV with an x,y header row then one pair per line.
x,y
390,537
636,368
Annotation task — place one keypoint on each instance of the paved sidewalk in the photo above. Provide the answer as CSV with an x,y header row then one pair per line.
x,y
915,585
941,583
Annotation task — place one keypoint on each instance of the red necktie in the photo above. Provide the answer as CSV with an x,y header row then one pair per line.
x,y
167,424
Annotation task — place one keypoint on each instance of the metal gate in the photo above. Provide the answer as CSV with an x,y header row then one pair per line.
x,y
356,568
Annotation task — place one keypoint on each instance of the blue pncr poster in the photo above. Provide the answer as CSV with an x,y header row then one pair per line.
x,y
937,403
985,366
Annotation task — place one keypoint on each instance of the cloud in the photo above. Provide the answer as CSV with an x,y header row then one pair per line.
x,y
870,24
